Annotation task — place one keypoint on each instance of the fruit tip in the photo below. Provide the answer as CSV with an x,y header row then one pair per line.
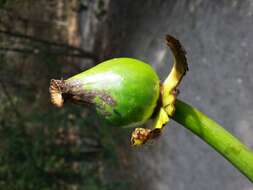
x,y
55,91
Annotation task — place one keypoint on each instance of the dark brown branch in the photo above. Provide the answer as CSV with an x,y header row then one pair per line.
x,y
77,51
33,38
39,51
18,50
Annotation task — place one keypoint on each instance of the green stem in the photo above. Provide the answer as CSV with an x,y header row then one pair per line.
x,y
216,136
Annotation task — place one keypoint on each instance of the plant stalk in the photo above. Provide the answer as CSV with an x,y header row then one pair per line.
x,y
216,136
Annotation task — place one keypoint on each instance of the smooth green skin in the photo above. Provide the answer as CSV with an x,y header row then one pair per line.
x,y
135,87
133,84
216,136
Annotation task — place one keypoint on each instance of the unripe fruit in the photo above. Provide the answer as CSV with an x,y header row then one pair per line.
x,y
124,91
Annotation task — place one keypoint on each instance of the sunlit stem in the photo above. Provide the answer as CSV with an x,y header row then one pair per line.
x,y
216,136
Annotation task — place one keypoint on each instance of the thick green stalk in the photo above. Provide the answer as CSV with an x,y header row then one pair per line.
x,y
216,136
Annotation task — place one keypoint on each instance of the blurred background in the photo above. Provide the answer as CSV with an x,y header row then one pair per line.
x,y
42,147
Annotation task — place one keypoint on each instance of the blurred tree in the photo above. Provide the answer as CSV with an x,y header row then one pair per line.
x,y
42,148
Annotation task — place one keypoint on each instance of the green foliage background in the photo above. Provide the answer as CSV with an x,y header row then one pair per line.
x,y
42,147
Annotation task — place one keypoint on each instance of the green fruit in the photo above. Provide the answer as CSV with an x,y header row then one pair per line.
x,y
124,91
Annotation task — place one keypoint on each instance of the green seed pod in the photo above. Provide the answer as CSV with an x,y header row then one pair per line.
x,y
124,91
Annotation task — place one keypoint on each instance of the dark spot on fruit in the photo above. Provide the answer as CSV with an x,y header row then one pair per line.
x,y
105,97
73,91
117,113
